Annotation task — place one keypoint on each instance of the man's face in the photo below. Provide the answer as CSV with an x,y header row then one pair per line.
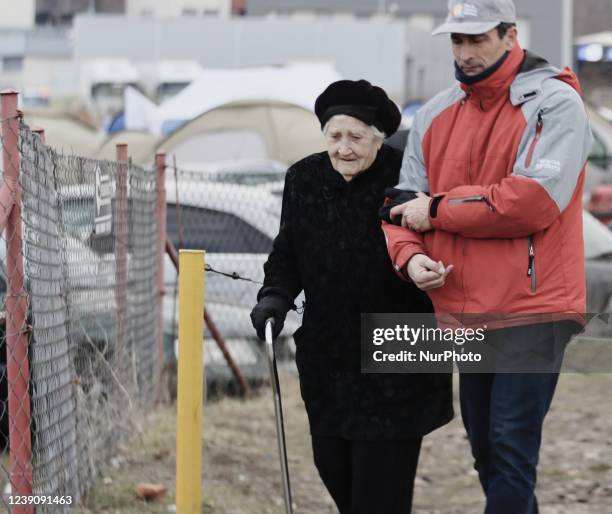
x,y
475,53
351,145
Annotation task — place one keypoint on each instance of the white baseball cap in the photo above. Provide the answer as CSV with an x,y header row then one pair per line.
x,y
476,16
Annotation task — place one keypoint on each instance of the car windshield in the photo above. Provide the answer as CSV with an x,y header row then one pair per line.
x,y
214,231
249,178
204,229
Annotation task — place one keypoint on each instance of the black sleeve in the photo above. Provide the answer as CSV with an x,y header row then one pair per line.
x,y
281,274
393,198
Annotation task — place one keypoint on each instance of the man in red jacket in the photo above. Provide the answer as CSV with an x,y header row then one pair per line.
x,y
498,162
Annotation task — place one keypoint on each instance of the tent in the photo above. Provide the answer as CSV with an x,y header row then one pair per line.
x,y
141,146
65,133
246,129
297,83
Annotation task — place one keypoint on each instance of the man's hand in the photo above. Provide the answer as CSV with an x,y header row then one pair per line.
x,y
427,273
415,213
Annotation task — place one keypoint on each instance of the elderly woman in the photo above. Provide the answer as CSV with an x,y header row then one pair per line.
x,y
366,428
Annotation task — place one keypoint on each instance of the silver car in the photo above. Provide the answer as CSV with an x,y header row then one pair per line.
x,y
235,225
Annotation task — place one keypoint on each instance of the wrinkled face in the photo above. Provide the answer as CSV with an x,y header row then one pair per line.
x,y
351,145
475,53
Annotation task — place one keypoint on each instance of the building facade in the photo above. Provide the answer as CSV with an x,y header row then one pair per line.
x,y
61,12
401,58
546,23
17,15
591,16
37,63
178,8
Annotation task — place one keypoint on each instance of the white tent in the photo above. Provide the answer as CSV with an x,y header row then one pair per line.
x,y
256,129
298,84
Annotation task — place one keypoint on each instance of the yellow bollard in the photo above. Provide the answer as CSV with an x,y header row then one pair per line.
x,y
190,382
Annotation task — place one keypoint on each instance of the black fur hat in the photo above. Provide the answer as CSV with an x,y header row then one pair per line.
x,y
360,99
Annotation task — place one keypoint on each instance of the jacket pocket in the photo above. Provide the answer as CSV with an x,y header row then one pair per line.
x,y
531,269
472,199
534,142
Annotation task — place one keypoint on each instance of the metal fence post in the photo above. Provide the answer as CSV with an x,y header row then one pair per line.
x,y
41,133
189,408
121,246
18,369
160,167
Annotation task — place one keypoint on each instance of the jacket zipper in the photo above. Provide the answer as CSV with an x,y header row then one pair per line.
x,y
531,271
536,138
472,199
469,179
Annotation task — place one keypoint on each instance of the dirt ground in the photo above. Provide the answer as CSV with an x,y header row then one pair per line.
x,y
241,470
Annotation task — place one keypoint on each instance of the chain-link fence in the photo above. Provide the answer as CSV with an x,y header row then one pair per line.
x,y
80,343
82,335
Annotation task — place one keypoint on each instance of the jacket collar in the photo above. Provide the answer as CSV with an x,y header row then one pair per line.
x,y
497,84
470,80
534,70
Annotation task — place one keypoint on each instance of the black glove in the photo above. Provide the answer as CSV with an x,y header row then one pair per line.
x,y
395,197
272,306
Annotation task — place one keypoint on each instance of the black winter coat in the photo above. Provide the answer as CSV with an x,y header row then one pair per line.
x,y
330,244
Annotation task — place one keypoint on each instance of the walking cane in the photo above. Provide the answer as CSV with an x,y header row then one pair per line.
x,y
278,411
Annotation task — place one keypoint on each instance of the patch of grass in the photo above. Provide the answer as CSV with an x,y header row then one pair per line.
x,y
601,467
148,456
120,497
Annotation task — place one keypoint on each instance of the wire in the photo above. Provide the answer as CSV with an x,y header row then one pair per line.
x,y
233,275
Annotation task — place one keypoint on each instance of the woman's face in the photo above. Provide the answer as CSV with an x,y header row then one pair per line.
x,y
351,145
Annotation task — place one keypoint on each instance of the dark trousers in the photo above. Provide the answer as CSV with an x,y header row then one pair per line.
x,y
368,477
503,415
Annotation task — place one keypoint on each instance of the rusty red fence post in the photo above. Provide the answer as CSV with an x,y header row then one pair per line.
x,y
160,167
18,369
41,133
121,246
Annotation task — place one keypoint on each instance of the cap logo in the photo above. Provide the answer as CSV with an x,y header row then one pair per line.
x,y
464,10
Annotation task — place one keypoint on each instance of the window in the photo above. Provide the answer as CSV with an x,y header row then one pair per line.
x,y
599,153
107,90
12,63
169,89
214,231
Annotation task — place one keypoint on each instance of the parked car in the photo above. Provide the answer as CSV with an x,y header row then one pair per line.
x,y
91,266
88,312
598,264
235,225
246,172
599,165
600,204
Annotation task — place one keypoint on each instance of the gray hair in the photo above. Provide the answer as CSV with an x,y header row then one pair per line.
x,y
379,134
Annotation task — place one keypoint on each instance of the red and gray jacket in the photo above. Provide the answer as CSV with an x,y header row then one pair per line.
x,y
504,160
